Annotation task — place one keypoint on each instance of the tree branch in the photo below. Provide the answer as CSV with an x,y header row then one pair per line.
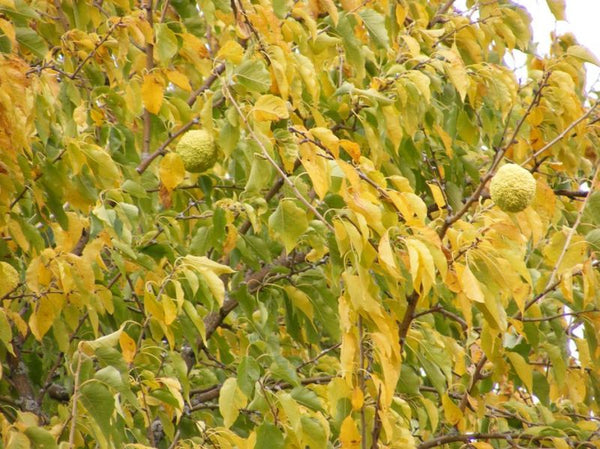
x,y
497,159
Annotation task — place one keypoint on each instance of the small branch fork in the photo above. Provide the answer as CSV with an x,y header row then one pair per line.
x,y
161,151
497,159
551,285
267,156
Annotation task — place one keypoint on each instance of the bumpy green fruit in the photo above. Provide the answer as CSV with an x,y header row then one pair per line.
x,y
512,188
9,278
198,151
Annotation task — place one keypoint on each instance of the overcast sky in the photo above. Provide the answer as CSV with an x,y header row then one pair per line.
x,y
582,20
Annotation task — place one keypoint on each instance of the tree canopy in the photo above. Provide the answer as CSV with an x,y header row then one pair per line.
x,y
340,278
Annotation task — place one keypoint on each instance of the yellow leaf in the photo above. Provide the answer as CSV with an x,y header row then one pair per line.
x,y
357,399
557,7
171,171
128,347
269,108
300,300
48,307
438,196
481,445
560,443
231,400
469,283
152,92
522,368
386,256
327,139
317,169
451,410
456,71
349,435
179,79
231,51
352,148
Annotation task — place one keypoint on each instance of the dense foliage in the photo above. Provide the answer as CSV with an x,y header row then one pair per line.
x,y
340,277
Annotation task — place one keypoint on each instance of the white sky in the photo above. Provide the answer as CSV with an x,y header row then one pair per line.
x,y
582,20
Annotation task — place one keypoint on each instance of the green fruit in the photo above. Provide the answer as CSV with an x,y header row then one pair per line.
x,y
512,188
593,239
197,150
9,278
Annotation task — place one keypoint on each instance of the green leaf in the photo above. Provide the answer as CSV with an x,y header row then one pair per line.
x,y
248,373
583,54
268,436
313,433
166,43
254,76
100,404
231,400
522,368
41,438
288,223
31,41
375,23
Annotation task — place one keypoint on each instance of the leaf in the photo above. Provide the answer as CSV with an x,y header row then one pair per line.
x,y
375,23
152,92
583,54
287,223
313,433
40,437
349,435
522,368
231,400
268,436
452,413
231,51
171,171
469,283
166,43
253,75
300,300
128,347
270,108
47,309
557,8
99,402
32,41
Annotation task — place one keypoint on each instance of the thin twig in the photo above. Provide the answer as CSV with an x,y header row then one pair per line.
x,y
267,156
560,136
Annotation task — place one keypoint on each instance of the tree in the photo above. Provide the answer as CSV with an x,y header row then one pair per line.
x,y
340,277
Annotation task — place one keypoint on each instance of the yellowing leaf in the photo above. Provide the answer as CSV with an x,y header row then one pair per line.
x,y
179,79
469,283
300,300
152,92
47,309
171,171
557,7
451,411
231,400
352,148
357,399
288,223
349,435
522,368
128,347
231,51
328,139
269,108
